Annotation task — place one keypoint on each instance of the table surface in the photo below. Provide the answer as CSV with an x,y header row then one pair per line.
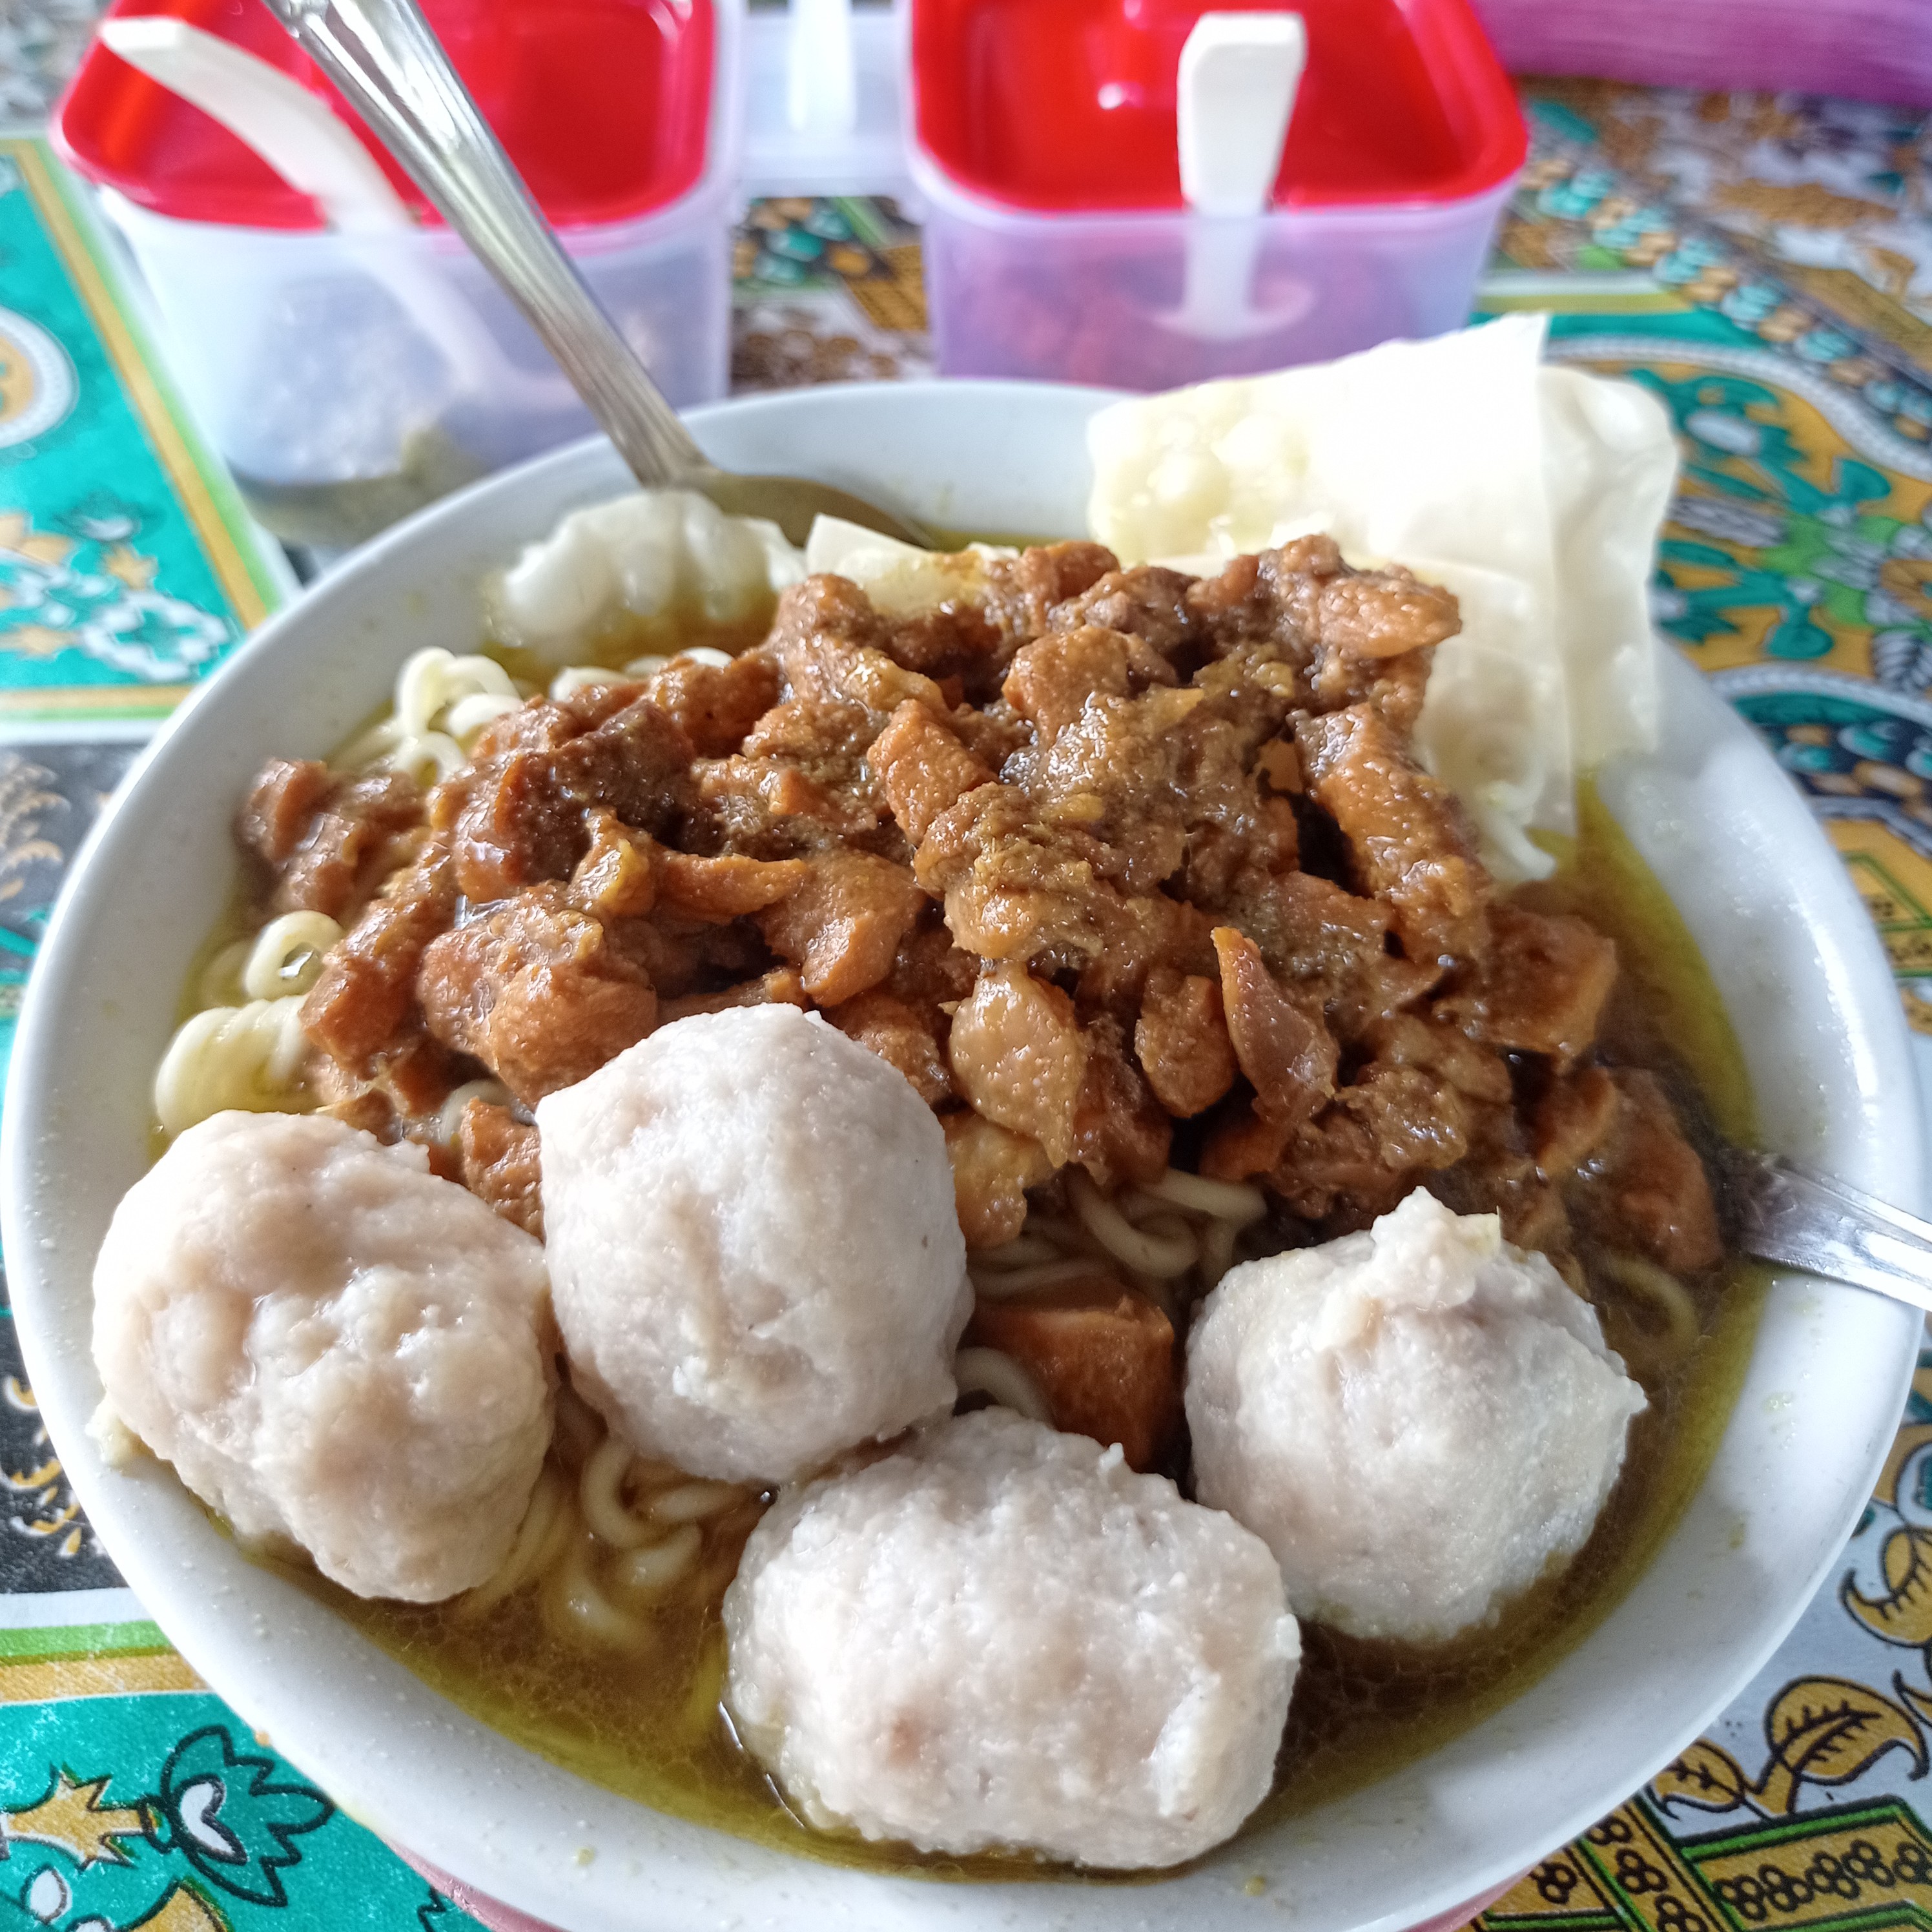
x,y
1763,266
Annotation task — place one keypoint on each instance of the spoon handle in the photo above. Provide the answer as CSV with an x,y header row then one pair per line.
x,y
388,62
1788,1214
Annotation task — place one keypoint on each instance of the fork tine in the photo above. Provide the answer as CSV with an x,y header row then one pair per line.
x,y
1789,1214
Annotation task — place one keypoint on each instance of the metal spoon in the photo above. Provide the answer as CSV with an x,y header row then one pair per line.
x,y
1782,1212
383,56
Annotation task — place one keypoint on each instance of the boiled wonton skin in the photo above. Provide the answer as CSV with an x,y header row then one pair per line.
x,y
754,1248
1417,1420
649,556
331,1345
1533,494
1000,1636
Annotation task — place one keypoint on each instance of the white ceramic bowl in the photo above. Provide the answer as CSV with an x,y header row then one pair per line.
x,y
1792,953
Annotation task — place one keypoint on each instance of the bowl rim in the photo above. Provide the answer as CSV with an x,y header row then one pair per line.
x,y
586,472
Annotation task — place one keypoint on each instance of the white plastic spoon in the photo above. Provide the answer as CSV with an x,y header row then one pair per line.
x,y
1240,73
821,93
269,111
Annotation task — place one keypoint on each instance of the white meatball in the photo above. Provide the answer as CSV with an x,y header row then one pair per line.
x,y
1002,1636
1418,1420
331,1344
757,1259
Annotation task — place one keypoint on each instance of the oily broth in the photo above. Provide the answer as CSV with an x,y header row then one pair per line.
x,y
683,627
1667,1008
650,1726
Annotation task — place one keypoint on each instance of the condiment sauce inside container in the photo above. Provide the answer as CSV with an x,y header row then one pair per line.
x,y
1045,140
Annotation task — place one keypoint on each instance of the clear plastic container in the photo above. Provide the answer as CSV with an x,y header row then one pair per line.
x,y
348,377
1107,300
1058,246
824,87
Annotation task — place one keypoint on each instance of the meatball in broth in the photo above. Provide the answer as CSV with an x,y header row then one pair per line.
x,y
757,1259
1418,1420
1002,1636
331,1346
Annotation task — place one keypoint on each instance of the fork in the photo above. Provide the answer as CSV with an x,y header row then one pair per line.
x,y
1784,1212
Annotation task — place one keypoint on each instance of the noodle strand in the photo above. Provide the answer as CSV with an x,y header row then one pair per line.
x,y
549,1511
576,1606
600,1495
1221,1200
651,1570
1160,1256
989,1371
690,1502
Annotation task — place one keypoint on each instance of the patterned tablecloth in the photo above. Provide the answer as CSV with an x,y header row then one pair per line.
x,y
1764,266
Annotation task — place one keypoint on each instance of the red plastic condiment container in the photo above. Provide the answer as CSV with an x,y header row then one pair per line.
x,y
1057,243
348,377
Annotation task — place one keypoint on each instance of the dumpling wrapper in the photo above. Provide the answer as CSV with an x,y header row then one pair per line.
x,y
650,555
1535,494
900,578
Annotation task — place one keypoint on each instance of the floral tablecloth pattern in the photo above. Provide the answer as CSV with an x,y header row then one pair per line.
x,y
1764,266
128,567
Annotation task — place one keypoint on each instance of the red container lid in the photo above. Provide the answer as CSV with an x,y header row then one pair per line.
x,y
604,106
1068,105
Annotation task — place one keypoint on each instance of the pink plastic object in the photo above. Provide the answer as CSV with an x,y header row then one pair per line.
x,y
1056,245
1870,49
499,1917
